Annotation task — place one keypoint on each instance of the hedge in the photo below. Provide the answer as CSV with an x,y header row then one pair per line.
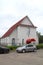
x,y
12,47
39,46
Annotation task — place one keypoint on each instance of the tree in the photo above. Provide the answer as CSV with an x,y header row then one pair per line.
x,y
40,37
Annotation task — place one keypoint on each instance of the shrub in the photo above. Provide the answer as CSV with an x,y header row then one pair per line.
x,y
12,47
40,46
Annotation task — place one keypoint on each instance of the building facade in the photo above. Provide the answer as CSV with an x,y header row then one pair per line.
x,y
20,32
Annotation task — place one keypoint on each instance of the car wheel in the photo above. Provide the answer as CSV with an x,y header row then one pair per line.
x,y
17,51
7,51
34,50
23,51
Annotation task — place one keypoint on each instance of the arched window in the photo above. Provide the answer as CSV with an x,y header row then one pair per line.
x,y
13,41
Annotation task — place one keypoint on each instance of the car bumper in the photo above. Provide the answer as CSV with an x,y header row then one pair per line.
x,y
19,50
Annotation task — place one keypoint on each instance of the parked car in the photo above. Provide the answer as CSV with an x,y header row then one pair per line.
x,y
26,48
4,50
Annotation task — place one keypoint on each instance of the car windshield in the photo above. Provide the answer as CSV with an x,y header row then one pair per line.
x,y
23,46
27,46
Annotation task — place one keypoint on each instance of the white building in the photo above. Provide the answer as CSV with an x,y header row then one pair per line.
x,y
20,32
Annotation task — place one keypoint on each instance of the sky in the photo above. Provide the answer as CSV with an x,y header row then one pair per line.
x,y
12,11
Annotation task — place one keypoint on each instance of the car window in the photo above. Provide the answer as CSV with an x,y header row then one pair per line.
x,y
29,46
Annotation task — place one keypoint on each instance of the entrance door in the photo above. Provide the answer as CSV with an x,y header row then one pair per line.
x,y
13,41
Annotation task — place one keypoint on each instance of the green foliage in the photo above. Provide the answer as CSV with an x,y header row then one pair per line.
x,y
12,47
41,39
40,46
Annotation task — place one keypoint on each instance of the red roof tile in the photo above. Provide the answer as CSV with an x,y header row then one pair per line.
x,y
14,27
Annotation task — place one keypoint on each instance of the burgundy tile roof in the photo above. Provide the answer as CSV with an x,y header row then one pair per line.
x,y
14,27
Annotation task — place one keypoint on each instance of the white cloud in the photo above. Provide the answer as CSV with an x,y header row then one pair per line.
x,y
13,10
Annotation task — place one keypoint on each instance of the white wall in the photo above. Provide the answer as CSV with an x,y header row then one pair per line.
x,y
33,35
14,34
37,38
26,22
5,41
8,40
23,34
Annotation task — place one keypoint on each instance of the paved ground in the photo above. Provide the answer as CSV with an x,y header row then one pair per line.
x,y
13,58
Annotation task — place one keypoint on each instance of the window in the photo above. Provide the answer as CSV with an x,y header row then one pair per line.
x,y
22,41
29,46
13,41
28,31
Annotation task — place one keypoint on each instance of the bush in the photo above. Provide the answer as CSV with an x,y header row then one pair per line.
x,y
12,47
40,46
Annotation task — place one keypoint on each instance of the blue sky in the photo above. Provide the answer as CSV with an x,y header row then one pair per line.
x,y
13,10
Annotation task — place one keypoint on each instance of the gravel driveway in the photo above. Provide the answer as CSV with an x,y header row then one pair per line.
x,y
31,58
